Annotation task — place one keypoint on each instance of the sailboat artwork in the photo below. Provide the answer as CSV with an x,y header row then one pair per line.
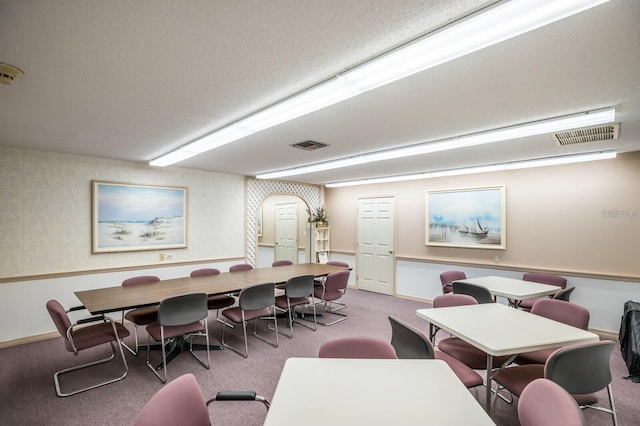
x,y
466,218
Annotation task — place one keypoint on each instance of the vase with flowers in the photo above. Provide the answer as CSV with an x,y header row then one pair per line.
x,y
319,216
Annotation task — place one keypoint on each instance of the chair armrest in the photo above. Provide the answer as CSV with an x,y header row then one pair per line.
x,y
96,318
76,308
239,396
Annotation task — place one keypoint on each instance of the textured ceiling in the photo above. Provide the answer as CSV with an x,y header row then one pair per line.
x,y
132,80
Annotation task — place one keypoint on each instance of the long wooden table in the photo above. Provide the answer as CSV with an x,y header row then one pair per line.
x,y
372,392
114,299
499,330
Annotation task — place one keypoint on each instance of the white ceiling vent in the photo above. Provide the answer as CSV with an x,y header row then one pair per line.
x,y
309,145
589,134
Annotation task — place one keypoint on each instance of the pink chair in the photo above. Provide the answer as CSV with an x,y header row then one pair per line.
x,y
181,402
558,310
217,301
357,347
545,403
332,289
448,277
140,316
240,267
282,263
411,343
79,336
542,278
454,346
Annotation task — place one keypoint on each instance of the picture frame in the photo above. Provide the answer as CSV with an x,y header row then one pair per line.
x,y
132,217
467,217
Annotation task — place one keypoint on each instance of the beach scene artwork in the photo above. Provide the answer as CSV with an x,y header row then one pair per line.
x,y
138,217
472,217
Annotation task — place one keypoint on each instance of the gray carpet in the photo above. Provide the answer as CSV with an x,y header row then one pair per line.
x,y
27,394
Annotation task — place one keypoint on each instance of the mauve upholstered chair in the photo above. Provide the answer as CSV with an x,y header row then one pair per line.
x,y
217,301
357,347
298,291
332,289
448,277
545,403
80,335
411,343
181,402
139,316
542,278
282,263
240,267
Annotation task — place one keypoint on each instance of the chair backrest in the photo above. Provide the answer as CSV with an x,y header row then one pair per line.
x,y
184,309
409,342
447,277
480,293
542,278
337,281
204,272
544,402
564,294
282,263
338,263
142,279
581,368
61,320
301,286
240,267
179,402
445,301
561,311
257,296
357,347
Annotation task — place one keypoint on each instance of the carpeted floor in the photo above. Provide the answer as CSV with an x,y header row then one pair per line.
x,y
27,394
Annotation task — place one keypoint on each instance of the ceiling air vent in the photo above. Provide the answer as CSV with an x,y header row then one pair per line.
x,y
590,134
309,145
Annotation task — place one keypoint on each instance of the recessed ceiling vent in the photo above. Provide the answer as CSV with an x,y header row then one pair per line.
x,y
8,73
309,145
590,134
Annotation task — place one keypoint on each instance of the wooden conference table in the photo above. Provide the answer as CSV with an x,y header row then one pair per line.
x,y
114,299
498,330
372,392
514,289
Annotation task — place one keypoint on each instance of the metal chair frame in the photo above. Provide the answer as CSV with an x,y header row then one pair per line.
x,y
300,287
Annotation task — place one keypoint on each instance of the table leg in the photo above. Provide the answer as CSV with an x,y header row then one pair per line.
x,y
489,378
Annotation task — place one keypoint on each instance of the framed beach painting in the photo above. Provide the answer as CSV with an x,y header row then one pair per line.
x,y
127,217
471,217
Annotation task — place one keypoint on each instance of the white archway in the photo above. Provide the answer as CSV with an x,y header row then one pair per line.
x,y
258,191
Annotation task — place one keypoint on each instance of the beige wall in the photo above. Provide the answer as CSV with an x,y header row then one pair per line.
x,y
269,218
555,218
45,212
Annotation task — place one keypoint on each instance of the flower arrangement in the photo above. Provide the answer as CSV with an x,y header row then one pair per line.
x,y
318,215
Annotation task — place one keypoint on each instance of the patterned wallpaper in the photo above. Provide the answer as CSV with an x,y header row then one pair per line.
x,y
45,212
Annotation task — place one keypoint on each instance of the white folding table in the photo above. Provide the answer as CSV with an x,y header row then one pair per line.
x,y
322,391
512,288
499,330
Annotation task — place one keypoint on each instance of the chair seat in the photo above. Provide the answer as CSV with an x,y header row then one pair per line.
x,y
515,379
585,398
220,301
328,295
143,316
174,331
468,354
466,375
281,301
87,337
235,314
535,357
527,304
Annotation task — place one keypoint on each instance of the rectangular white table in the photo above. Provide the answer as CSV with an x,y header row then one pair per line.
x,y
511,288
323,391
499,330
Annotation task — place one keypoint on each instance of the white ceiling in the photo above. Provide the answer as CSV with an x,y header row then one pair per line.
x,y
133,80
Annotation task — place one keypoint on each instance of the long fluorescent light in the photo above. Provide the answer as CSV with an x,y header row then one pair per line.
x,y
557,124
503,21
540,162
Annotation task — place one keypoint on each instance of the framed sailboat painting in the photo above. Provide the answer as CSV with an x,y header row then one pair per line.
x,y
469,217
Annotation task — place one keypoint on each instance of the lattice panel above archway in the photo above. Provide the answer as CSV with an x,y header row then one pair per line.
x,y
258,191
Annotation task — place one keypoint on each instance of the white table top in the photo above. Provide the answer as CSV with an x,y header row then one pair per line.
x,y
322,391
513,288
499,330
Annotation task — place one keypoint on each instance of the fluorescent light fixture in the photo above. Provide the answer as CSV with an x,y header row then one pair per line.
x,y
567,122
540,162
497,23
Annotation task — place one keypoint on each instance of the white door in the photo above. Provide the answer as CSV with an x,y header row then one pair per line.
x,y
375,244
287,232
